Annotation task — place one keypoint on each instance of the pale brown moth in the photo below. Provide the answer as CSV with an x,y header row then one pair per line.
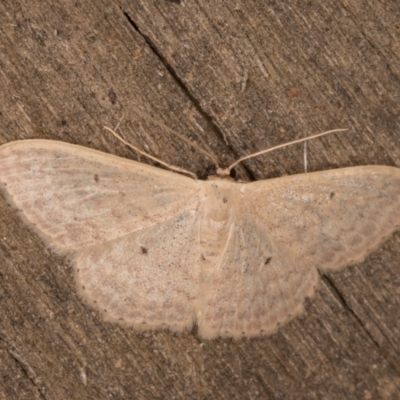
x,y
155,249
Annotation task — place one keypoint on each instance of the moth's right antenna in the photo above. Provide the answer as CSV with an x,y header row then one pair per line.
x,y
227,170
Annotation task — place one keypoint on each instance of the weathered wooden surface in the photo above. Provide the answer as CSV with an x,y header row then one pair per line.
x,y
235,77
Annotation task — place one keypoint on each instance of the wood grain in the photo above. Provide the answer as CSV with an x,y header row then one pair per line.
x,y
234,77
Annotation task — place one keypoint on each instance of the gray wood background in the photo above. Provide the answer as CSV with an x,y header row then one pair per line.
x,y
234,77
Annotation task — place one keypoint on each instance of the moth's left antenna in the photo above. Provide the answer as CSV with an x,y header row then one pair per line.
x,y
147,116
143,153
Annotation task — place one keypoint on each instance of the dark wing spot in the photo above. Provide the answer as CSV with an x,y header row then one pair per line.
x,y
225,200
267,260
144,250
331,195
96,178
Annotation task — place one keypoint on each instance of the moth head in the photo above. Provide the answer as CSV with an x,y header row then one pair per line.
x,y
214,172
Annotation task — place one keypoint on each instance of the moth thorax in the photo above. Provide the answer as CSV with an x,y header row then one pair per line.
x,y
217,223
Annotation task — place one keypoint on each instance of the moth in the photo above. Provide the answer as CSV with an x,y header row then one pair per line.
x,y
155,249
